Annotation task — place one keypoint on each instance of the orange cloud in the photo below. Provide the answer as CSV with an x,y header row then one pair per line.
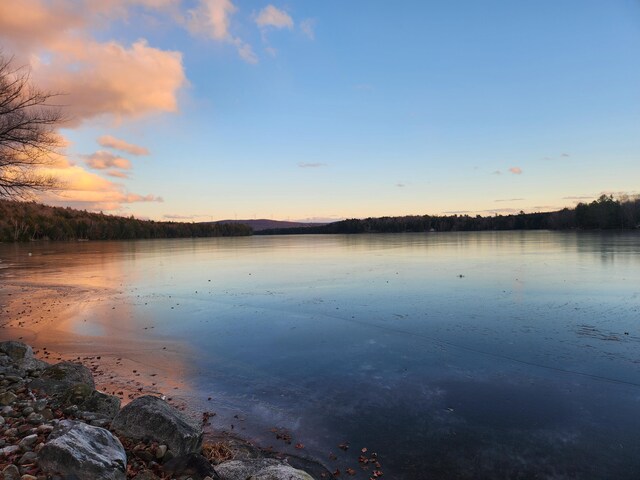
x,y
111,142
102,160
83,189
516,170
108,79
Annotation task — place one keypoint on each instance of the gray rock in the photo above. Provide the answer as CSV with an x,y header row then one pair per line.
x,y
28,441
80,451
192,465
281,472
17,351
90,400
21,355
243,469
7,398
10,450
1,421
151,418
56,379
11,472
28,457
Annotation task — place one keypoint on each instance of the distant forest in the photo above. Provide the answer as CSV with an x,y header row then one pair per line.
x,y
25,221
603,213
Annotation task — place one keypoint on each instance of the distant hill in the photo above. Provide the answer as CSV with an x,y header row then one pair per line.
x,y
266,224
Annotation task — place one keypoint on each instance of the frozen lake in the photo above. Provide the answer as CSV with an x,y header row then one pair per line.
x,y
452,355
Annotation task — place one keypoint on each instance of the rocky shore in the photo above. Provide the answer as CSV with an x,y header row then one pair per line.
x,y
55,425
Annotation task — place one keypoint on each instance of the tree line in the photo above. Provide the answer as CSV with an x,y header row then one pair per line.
x,y
26,221
603,213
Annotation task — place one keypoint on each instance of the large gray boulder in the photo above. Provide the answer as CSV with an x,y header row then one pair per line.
x,y
79,451
152,419
55,379
259,469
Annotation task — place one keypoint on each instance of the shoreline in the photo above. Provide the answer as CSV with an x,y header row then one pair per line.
x,y
124,368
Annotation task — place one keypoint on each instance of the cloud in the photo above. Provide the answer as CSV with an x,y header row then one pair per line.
x,y
110,79
565,155
400,185
212,18
102,160
271,16
516,170
585,197
117,174
496,172
308,27
180,217
509,200
108,141
311,165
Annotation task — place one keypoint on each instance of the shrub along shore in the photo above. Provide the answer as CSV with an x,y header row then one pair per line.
x,y
55,425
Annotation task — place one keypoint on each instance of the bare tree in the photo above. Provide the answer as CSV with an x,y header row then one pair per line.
x,y
28,138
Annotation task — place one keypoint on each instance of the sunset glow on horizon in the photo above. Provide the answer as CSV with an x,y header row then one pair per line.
x,y
198,110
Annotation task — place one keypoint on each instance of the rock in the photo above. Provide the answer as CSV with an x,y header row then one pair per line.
x,y
1,421
243,469
192,465
21,355
80,451
57,378
28,477
11,472
259,469
146,475
10,450
151,418
28,457
161,451
28,441
7,398
281,472
90,400
17,351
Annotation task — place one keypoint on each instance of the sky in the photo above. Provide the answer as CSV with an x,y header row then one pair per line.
x,y
201,110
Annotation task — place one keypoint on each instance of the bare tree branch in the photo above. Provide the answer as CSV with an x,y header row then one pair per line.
x,y
28,133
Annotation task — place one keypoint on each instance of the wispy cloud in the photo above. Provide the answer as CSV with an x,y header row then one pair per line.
x,y
102,160
400,185
308,28
516,170
108,141
211,19
496,172
179,217
271,16
117,174
509,200
565,155
584,197
311,164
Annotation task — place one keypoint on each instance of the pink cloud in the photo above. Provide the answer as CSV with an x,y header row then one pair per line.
x,y
516,170
101,160
271,16
108,141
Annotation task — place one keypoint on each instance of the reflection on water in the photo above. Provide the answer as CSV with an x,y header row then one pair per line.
x,y
470,355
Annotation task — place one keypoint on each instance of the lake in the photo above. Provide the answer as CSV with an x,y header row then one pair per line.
x,y
489,355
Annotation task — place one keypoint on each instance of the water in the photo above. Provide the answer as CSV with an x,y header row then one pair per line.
x,y
469,355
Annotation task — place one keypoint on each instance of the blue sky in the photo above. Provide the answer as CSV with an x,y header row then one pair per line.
x,y
335,109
